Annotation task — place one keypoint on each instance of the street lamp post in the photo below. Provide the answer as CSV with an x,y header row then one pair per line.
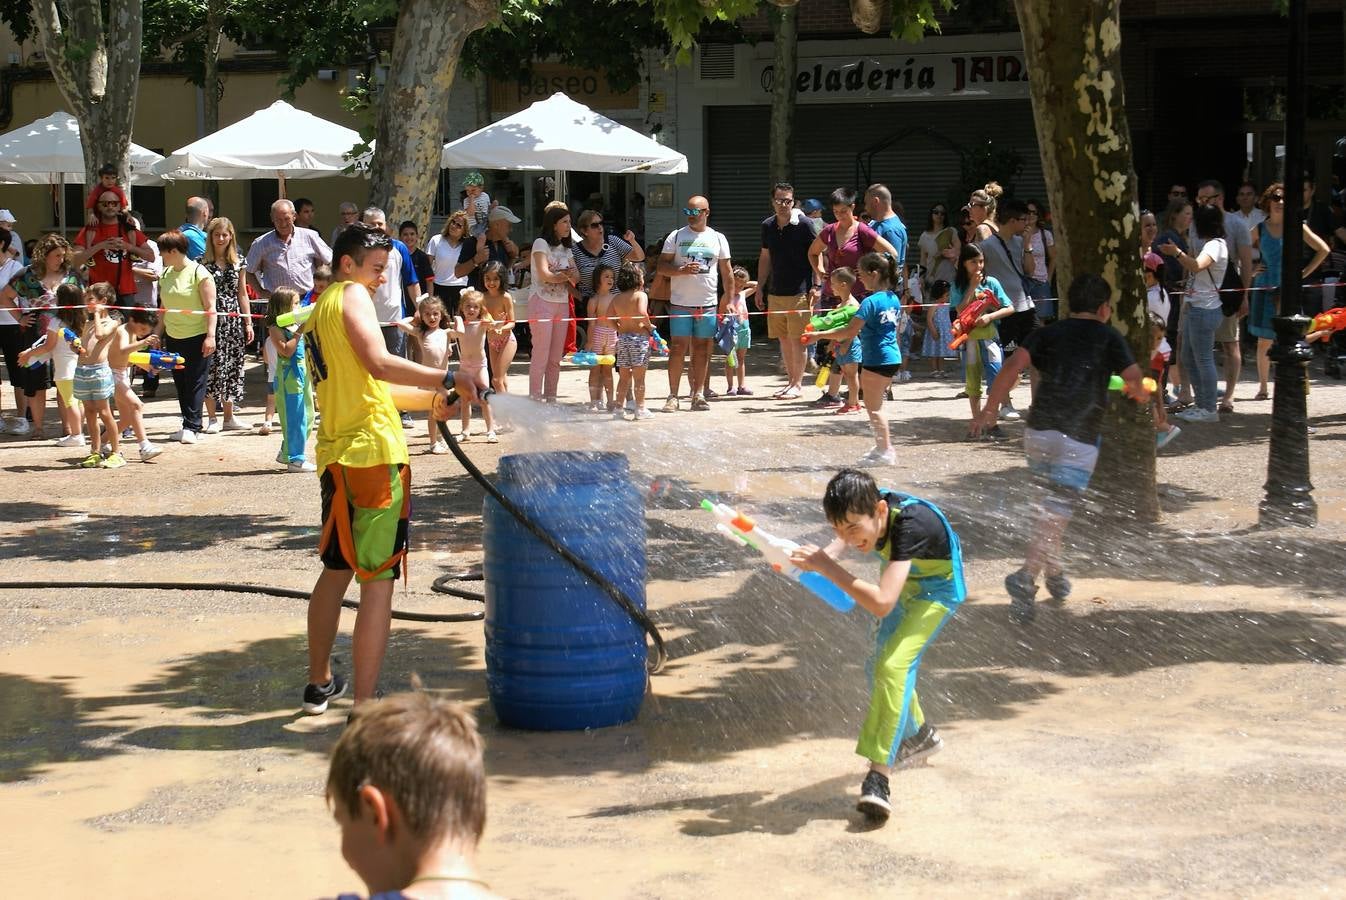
x,y
1289,493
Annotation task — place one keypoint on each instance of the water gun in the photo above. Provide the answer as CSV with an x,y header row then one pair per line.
x,y
588,359
73,340
159,360
658,346
1327,322
37,350
295,317
981,303
738,527
834,318
1147,387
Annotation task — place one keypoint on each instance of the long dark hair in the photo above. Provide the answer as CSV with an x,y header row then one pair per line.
x,y
549,220
930,216
960,276
1209,222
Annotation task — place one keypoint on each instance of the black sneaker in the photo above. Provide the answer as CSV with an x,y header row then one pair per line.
x,y
317,696
1058,586
827,401
874,797
919,747
1022,589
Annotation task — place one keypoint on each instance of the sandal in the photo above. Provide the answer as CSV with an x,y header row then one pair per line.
x,y
1262,395
1227,408
792,393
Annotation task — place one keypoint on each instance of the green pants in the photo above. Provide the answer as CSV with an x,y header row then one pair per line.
x,y
894,711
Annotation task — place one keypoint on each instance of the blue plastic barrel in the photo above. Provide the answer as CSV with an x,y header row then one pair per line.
x,y
560,653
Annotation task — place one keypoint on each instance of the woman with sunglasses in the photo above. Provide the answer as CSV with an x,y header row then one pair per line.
x,y
939,245
598,248
1268,238
1039,262
981,210
451,266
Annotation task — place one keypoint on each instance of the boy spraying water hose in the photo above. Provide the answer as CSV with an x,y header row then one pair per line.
x,y
920,586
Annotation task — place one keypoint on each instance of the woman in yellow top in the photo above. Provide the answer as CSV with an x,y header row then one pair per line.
x,y
187,295
362,461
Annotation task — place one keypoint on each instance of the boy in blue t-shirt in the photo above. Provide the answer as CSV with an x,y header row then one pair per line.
x,y
920,586
1075,359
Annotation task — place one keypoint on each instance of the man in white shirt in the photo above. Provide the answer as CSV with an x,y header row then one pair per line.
x,y
696,260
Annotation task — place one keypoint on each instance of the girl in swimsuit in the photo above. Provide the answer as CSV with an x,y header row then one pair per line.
x,y
602,339
500,340
471,327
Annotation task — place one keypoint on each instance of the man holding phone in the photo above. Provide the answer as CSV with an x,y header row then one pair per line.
x,y
696,260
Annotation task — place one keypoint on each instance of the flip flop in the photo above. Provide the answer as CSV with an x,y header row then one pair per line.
x,y
792,393
1262,395
1226,408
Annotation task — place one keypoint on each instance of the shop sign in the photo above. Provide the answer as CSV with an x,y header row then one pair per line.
x,y
581,85
930,76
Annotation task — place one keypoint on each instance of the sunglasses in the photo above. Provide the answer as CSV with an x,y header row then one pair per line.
x,y
692,212
593,225
1277,198
784,201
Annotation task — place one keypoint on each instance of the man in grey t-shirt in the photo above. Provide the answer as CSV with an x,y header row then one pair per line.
x,y
1239,240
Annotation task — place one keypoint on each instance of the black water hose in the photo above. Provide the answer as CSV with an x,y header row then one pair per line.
x,y
237,588
617,594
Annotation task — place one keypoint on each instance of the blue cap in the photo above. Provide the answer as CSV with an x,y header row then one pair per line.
x,y
811,206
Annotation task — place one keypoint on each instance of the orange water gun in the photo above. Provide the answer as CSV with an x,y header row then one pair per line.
x,y
981,303
1325,323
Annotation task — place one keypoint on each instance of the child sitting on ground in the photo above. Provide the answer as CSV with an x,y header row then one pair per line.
x,y
630,310
602,340
93,378
71,315
407,786
1075,359
920,586
737,313
135,334
430,330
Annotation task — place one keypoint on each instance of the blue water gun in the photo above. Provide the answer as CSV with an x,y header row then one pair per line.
x,y
73,340
159,360
588,359
658,346
739,528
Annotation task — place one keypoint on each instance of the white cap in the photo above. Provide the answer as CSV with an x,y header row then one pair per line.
x,y
7,216
502,212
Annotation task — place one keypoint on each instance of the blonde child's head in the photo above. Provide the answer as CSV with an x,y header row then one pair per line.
x,y
741,277
431,315
842,280
322,279
493,277
406,778
283,300
70,308
604,279
472,306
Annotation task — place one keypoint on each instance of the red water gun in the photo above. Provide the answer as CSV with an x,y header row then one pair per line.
x,y
981,303
1325,323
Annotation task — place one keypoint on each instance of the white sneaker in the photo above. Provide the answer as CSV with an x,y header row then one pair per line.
x,y
128,434
1197,414
187,436
619,414
439,447
1009,414
876,457
19,426
236,425
642,414
304,466
212,427
148,451
491,438
281,457
72,440
107,450
903,377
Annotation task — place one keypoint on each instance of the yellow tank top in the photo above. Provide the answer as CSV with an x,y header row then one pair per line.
x,y
360,426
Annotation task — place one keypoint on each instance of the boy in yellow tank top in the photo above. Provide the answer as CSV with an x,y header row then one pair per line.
x,y
362,463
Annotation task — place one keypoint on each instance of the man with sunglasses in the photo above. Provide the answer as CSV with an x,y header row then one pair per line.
x,y
696,260
783,266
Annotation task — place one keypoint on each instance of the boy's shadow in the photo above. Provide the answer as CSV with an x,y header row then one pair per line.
x,y
750,811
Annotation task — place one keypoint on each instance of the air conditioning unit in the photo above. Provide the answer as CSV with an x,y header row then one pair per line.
x,y
716,63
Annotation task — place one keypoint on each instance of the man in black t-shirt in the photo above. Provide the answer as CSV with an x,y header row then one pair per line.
x,y
1075,359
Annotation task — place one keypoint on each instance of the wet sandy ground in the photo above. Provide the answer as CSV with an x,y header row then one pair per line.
x,y
1176,728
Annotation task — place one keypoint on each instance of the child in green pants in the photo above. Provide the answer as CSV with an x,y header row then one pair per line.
x,y
920,587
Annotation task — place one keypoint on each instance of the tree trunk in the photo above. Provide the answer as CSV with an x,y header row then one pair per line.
x,y
1073,52
785,42
96,65
414,106
212,88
